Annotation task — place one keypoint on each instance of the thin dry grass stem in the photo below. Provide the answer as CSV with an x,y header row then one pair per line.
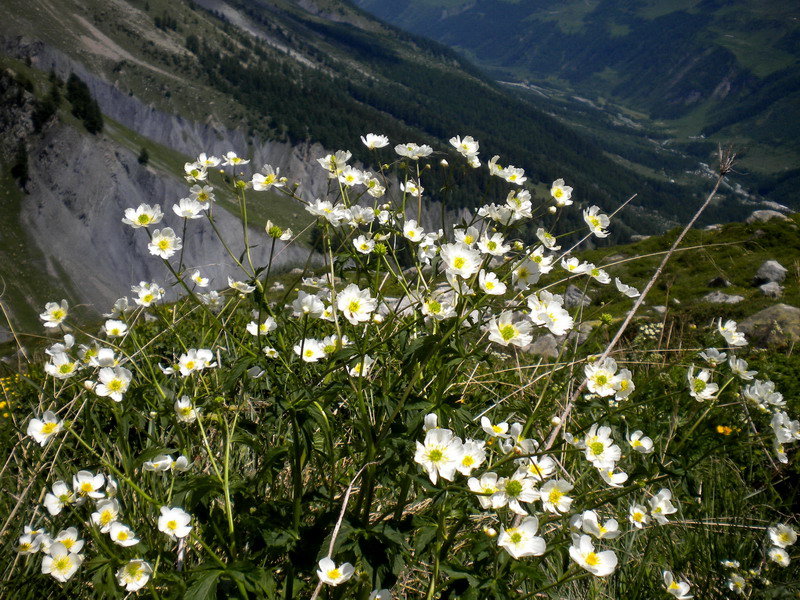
x,y
726,164
11,328
339,521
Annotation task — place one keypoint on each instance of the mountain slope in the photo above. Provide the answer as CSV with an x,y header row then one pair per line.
x,y
703,67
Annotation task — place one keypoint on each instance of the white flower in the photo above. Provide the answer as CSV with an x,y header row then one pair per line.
x,y
547,310
267,179
310,350
440,454
60,498
195,171
459,259
600,377
699,387
640,442
782,535
602,531
505,331
195,360
679,589
41,430
203,194
61,563
513,490
612,478
522,540
185,410
69,538
637,515
472,456
601,450
629,291
374,141
538,468
413,151
736,583
466,147
364,244
383,594
574,265
160,463
240,286
561,193
106,514
495,245
713,356
54,313
333,163
582,552
412,188
307,304
174,522
164,243
122,535
525,274
763,394
188,208
232,160
553,496
88,484
739,368
356,305
144,216
331,574
661,506
134,575
597,273
114,382
731,335
147,293
780,556
547,239
264,328
361,368
490,284
412,231
596,221
485,487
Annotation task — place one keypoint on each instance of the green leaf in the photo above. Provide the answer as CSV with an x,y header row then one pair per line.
x,y
203,585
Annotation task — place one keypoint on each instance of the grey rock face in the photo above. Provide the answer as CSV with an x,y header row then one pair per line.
x,y
720,298
546,346
771,270
575,297
761,216
771,289
777,325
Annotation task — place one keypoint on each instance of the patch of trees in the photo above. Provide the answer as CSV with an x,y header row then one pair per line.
x,y
84,107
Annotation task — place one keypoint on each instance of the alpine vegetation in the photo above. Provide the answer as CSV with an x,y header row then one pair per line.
x,y
380,427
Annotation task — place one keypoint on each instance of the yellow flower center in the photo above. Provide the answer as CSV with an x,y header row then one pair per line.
x,y
592,559
459,262
597,448
508,332
49,428
172,525
122,535
435,455
515,537
555,495
106,517
62,563
87,487
354,306
334,574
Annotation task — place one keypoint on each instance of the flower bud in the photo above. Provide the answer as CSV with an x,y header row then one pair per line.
x,y
552,210
555,421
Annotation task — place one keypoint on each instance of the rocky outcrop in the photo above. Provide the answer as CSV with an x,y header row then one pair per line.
x,y
721,298
761,216
769,271
777,326
80,187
